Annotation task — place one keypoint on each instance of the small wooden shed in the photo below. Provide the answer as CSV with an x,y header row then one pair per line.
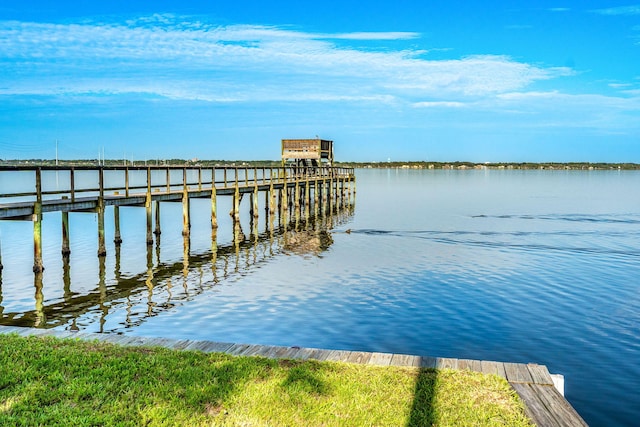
x,y
307,152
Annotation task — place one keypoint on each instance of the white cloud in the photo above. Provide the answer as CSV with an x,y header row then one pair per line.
x,y
438,104
373,36
179,58
621,10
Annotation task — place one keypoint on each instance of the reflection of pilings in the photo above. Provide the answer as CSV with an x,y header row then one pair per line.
x,y
39,297
125,289
116,269
66,278
149,280
102,288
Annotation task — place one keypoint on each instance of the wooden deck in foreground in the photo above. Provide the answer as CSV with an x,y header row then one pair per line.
x,y
545,405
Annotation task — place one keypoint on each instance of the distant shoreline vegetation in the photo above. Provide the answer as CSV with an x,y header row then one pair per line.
x,y
358,165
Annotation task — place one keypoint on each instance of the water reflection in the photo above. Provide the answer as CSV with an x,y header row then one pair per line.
x,y
120,301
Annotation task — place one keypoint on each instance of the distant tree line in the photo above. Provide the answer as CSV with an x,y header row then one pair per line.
x,y
361,165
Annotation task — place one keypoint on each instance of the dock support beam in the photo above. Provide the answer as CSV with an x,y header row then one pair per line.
x,y
186,224
66,249
214,202
38,266
117,237
102,248
148,207
157,231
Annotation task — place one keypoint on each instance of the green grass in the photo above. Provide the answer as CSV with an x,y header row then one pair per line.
x,y
49,381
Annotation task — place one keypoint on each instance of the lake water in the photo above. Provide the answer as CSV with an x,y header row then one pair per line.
x,y
520,266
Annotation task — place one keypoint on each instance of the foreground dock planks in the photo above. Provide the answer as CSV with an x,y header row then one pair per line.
x,y
545,405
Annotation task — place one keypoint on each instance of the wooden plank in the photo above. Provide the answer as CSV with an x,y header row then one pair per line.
x,y
338,355
534,407
557,405
236,349
446,363
540,374
405,360
489,367
360,357
251,350
380,359
320,354
427,362
517,372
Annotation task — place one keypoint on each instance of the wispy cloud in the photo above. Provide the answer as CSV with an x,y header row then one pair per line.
x,y
621,10
519,27
559,9
182,58
373,36
438,104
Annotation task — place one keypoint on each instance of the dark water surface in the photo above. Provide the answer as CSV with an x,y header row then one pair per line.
x,y
521,266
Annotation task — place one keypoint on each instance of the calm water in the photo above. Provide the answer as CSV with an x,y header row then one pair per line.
x,y
523,266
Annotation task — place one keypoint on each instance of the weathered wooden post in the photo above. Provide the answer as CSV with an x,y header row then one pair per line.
x,y
186,225
255,201
285,201
117,237
296,199
214,202
102,248
72,183
148,207
157,231
316,196
38,266
272,198
126,182
307,197
66,250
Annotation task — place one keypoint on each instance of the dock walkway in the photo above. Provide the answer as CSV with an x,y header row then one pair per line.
x,y
545,403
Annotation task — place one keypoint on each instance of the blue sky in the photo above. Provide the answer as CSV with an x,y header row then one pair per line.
x,y
405,80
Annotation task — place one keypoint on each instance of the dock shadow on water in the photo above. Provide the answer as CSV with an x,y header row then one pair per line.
x,y
162,286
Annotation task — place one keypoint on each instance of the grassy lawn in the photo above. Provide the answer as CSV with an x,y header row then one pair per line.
x,y
49,381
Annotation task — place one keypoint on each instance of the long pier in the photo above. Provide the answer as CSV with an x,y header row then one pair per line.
x,y
290,191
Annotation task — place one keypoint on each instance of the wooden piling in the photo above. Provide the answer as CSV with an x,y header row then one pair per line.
x,y
157,231
38,266
307,198
272,199
255,201
186,224
214,202
149,209
281,195
102,248
117,237
66,249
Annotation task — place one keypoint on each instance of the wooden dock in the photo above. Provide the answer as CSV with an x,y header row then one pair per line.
x,y
544,403
290,191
